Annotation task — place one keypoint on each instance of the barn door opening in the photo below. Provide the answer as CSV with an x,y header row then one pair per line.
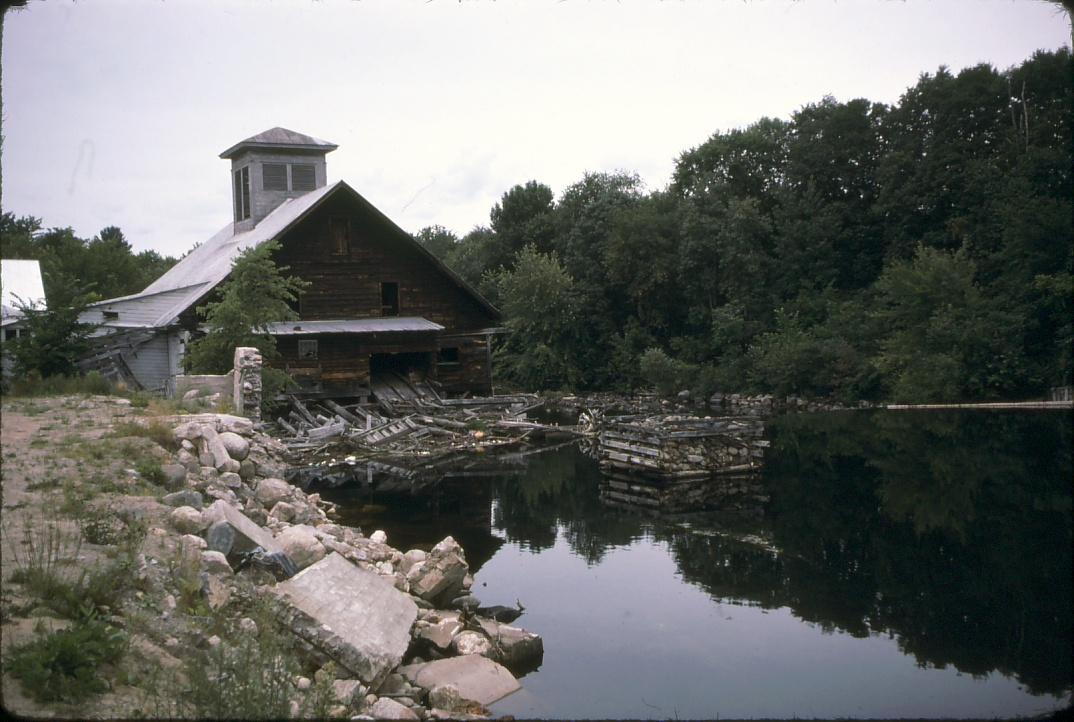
x,y
399,377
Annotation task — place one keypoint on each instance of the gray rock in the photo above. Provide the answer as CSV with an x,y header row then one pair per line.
x,y
441,633
283,511
188,459
347,691
187,497
352,615
269,491
231,480
469,642
190,395
186,520
385,708
237,447
174,475
379,536
215,562
445,697
477,678
301,544
247,470
466,602
513,647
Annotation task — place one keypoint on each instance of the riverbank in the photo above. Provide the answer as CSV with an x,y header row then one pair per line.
x,y
155,551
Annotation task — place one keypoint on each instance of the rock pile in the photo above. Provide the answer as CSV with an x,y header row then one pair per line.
x,y
388,620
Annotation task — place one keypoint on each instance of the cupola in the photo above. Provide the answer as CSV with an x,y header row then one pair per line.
x,y
270,167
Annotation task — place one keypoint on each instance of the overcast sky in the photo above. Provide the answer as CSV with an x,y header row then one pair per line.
x,y
115,110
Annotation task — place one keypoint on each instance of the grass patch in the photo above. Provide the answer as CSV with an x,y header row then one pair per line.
x,y
156,431
65,666
92,384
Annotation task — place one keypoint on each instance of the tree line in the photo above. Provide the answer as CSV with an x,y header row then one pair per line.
x,y
915,251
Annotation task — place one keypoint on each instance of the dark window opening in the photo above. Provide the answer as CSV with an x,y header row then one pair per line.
x,y
307,349
389,298
10,333
242,194
449,356
111,315
302,178
274,176
339,231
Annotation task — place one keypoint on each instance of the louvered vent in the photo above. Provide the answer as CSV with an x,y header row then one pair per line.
x,y
274,176
302,178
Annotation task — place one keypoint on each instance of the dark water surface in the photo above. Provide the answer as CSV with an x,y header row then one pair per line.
x,y
908,564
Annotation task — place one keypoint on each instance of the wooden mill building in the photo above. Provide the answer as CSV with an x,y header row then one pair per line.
x,y
377,301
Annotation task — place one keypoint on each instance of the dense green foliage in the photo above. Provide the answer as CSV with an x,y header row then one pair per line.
x,y
63,665
919,251
52,338
105,265
257,293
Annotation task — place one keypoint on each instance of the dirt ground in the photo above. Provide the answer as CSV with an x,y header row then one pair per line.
x,y
50,473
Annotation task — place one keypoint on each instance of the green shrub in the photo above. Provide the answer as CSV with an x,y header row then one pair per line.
x,y
666,374
65,665
34,385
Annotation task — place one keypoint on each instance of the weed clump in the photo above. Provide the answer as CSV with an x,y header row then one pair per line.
x,y
64,666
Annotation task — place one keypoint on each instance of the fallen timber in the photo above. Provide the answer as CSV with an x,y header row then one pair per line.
x,y
671,464
408,434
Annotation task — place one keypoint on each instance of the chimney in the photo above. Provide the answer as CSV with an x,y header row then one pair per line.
x,y
270,167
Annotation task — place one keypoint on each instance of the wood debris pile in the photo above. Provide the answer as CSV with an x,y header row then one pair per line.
x,y
682,447
408,429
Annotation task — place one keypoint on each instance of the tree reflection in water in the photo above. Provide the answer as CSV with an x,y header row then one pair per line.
x,y
950,531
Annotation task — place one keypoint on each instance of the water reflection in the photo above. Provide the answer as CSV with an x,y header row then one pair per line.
x,y
949,532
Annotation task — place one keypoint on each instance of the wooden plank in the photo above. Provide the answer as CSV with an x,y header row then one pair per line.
x,y
343,413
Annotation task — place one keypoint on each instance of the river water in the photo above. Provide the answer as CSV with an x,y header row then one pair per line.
x,y
906,564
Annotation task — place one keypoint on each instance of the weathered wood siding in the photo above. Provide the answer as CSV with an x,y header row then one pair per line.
x,y
151,363
348,285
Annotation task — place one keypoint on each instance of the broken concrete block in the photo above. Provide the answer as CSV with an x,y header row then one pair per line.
x,y
477,678
352,615
439,577
247,534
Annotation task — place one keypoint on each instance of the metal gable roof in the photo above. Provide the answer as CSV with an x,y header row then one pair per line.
x,y
390,324
209,264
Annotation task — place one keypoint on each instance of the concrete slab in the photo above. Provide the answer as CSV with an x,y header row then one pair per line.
x,y
352,615
477,678
247,534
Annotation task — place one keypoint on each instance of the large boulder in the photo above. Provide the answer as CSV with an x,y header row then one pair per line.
x,y
269,491
301,544
476,678
237,447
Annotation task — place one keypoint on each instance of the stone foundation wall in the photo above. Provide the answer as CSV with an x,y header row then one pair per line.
x,y
247,378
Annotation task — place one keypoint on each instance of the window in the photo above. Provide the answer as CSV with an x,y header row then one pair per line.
x,y
274,176
339,233
449,356
302,178
242,194
10,333
307,350
389,298
111,315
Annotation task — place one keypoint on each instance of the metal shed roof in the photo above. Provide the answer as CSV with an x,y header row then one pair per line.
x,y
20,282
281,138
391,324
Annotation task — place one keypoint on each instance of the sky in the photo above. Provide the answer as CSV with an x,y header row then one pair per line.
x,y
115,111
